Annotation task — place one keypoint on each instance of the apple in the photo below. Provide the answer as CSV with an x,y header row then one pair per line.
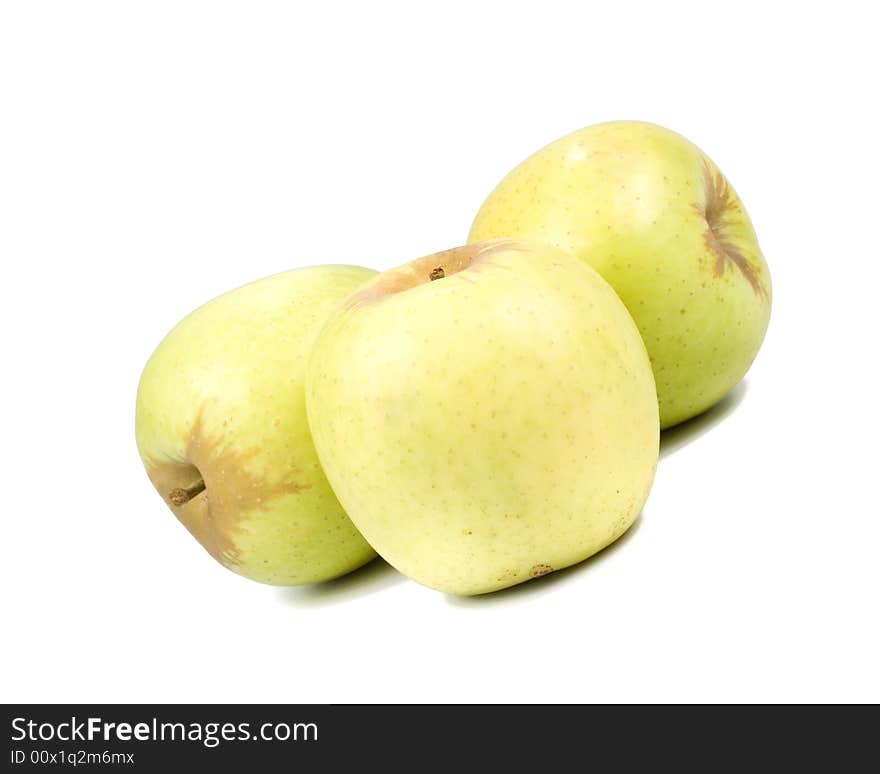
x,y
656,218
485,415
221,428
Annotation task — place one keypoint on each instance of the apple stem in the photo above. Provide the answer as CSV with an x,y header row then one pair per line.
x,y
437,273
181,496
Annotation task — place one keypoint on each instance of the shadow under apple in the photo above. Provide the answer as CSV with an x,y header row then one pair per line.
x,y
374,576
677,437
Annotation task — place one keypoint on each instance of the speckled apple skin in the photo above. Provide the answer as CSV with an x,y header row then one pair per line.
x,y
657,219
489,427
222,399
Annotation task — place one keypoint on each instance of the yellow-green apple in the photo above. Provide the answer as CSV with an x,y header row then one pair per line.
x,y
485,415
656,218
222,430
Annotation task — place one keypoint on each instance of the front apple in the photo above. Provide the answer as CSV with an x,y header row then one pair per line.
x,y
485,415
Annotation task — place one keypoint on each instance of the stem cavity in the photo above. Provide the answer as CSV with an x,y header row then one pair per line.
x,y
181,496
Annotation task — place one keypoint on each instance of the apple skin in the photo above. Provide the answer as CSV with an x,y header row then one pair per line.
x,y
490,426
222,400
657,219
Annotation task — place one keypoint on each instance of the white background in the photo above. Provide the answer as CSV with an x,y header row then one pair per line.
x,y
154,155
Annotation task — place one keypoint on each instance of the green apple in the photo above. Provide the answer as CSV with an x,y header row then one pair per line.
x,y
485,415
657,219
222,430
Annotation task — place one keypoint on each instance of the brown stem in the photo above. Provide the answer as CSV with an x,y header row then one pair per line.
x,y
181,496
